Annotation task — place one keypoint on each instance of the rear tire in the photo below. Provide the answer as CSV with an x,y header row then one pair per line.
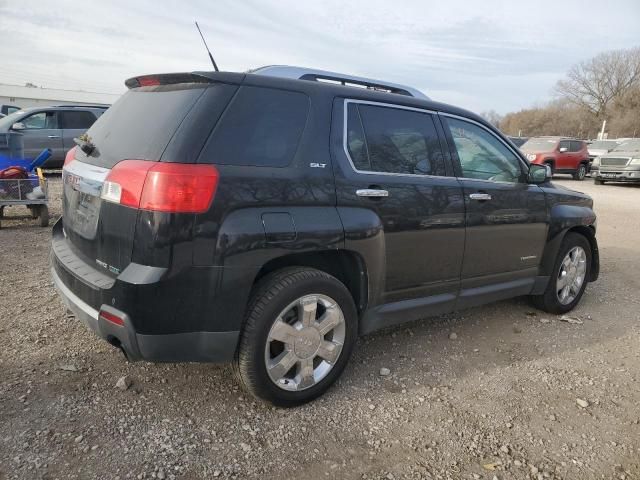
x,y
550,301
284,326
580,173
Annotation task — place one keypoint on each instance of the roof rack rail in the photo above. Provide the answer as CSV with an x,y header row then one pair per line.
x,y
300,73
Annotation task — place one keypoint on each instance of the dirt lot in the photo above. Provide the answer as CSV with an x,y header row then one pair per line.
x,y
496,400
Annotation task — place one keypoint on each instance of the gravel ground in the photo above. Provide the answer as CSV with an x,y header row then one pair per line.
x,y
499,392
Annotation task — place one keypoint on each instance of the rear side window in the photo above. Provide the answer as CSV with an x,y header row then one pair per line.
x,y
261,127
396,141
576,146
77,119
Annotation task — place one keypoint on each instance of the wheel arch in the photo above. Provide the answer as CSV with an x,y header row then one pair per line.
x,y
347,266
553,246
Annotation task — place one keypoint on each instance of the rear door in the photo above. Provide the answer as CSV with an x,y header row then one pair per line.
x,y
42,130
392,162
506,219
74,123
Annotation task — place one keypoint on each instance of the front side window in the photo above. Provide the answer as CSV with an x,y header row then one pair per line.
x,y
395,141
40,120
482,155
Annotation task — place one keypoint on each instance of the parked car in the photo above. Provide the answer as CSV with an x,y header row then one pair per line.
x,y
518,141
563,155
601,147
51,127
622,164
8,109
267,219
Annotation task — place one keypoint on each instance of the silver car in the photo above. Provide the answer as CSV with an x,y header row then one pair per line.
x,y
622,164
51,127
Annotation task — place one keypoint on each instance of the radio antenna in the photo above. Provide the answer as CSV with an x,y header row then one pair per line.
x,y
215,67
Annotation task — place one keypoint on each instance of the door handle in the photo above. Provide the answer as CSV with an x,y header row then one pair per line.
x,y
53,136
481,197
372,193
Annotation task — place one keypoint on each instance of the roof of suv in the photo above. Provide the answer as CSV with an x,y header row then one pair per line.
x,y
320,81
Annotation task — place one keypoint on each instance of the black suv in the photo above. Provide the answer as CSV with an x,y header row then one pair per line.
x,y
269,218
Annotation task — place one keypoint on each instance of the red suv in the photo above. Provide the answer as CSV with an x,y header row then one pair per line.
x,y
563,155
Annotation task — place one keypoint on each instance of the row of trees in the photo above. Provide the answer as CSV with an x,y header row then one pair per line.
x,y
607,87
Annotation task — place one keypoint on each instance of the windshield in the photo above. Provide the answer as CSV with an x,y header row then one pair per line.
x,y
540,145
603,145
632,146
6,122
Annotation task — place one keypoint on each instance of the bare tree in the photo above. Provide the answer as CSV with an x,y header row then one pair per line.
x,y
491,116
597,83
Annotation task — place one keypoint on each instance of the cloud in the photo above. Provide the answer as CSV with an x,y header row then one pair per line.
x,y
500,55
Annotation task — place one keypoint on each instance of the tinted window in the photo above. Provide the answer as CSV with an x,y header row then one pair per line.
x,y
77,119
41,120
565,144
400,141
576,146
141,123
355,140
261,127
482,155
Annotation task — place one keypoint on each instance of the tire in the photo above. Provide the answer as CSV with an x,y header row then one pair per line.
x,y
1,211
598,182
550,163
35,211
258,350
44,216
550,301
580,173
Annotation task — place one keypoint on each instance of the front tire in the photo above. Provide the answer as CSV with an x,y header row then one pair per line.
x,y
300,329
569,277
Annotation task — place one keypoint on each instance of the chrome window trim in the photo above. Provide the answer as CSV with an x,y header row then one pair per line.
x,y
347,101
469,120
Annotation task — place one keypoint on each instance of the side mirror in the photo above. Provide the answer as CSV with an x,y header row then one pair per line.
x,y
18,126
563,149
539,173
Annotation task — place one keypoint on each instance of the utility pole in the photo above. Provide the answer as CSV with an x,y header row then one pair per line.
x,y
604,124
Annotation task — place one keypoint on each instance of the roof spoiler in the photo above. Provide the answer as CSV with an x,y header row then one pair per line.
x,y
186,77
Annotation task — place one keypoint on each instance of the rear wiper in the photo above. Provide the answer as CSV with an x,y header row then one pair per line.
x,y
85,144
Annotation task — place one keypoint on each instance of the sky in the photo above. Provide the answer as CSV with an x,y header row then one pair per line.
x,y
480,55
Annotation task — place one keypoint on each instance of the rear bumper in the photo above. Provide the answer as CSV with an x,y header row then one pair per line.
x,y
174,346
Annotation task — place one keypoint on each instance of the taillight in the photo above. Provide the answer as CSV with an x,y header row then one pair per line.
x,y
162,187
71,154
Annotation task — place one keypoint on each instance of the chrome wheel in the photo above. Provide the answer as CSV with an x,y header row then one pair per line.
x,y
571,275
305,342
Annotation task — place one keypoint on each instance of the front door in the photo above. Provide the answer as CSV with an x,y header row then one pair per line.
x,y
41,131
390,163
506,218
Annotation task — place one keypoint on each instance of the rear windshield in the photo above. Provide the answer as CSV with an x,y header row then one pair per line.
x,y
539,145
140,124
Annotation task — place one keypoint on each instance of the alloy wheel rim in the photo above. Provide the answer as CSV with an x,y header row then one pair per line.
x,y
582,171
305,342
571,275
